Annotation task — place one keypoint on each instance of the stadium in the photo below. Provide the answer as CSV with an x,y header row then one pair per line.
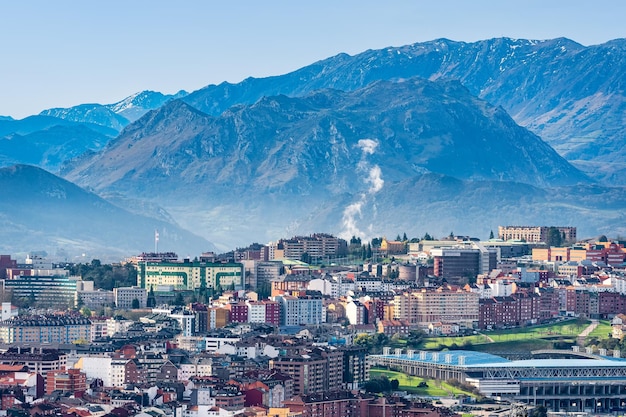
x,y
588,383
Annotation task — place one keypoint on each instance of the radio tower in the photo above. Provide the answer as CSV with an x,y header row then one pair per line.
x,y
156,241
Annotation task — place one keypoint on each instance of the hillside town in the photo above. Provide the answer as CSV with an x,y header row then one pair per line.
x,y
304,326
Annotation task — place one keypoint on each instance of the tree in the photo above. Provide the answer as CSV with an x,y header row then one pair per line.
x,y
151,302
554,237
404,237
306,258
264,290
415,338
603,238
381,384
179,300
491,235
85,312
394,383
427,237
134,304
398,238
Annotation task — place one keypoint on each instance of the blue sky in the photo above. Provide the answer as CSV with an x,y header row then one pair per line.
x,y
63,53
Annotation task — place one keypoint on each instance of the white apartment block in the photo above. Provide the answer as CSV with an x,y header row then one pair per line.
x,y
124,297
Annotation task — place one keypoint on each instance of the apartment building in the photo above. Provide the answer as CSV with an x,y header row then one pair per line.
x,y
444,304
44,329
534,233
188,275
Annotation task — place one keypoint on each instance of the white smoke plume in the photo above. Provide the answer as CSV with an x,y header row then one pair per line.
x,y
350,213
375,182
368,146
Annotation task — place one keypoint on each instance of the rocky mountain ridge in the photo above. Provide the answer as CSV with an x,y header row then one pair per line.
x,y
319,162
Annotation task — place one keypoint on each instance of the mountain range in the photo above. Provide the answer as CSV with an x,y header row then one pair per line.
x,y
570,95
424,137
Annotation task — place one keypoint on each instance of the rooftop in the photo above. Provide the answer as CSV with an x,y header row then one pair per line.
x,y
471,359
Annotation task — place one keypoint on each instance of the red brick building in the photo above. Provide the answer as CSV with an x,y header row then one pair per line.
x,y
548,303
71,380
513,310
577,301
611,303
272,312
239,312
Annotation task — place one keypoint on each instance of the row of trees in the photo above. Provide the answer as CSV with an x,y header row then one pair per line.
x,y
375,342
106,276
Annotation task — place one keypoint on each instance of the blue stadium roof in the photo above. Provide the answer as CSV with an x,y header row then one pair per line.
x,y
451,357
471,359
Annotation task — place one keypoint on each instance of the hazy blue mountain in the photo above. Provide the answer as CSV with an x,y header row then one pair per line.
x,y
138,104
264,169
48,141
89,113
49,148
33,124
115,116
570,95
39,211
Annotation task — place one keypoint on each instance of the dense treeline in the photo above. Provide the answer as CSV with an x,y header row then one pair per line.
x,y
106,276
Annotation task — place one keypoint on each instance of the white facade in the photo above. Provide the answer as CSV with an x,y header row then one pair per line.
x,y
354,312
214,343
186,321
297,311
256,312
369,284
118,371
8,311
117,326
124,297
335,286
203,367
96,367
99,328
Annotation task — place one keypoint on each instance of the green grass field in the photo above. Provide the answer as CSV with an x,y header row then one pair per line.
x,y
541,335
603,330
410,384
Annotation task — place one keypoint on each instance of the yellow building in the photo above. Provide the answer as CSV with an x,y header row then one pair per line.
x,y
392,246
282,412
217,317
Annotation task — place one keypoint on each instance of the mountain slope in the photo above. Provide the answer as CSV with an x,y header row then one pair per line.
x,y
570,95
280,161
138,104
49,148
312,142
33,124
41,211
114,116
89,113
